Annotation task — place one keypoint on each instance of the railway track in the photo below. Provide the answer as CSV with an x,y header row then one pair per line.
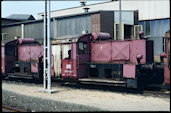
x,y
148,91
157,93
11,109
160,92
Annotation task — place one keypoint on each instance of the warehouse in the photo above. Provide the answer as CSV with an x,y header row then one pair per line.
x,y
97,21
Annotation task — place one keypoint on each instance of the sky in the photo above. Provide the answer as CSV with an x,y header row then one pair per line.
x,y
35,7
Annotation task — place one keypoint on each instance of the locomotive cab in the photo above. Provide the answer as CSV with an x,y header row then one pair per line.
x,y
74,65
22,58
167,57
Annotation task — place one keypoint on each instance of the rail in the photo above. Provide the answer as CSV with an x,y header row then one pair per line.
x,y
11,109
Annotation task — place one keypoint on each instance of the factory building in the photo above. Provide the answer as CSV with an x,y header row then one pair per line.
x,y
97,21
151,16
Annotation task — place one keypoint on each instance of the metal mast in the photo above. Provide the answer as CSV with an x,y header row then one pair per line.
x,y
47,50
120,21
45,46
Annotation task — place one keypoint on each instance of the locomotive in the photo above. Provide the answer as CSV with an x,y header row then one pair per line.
x,y
91,57
21,58
101,60
167,56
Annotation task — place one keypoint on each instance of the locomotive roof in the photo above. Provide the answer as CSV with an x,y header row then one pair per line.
x,y
22,41
68,38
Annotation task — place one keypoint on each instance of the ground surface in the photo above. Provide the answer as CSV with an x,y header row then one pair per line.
x,y
71,99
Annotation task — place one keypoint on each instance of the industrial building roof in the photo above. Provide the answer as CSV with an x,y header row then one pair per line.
x,y
66,16
39,20
21,17
147,9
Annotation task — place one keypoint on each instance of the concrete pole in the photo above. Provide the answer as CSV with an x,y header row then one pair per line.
x,y
120,21
49,48
45,36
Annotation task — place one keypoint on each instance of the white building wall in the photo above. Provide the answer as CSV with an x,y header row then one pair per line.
x,y
148,9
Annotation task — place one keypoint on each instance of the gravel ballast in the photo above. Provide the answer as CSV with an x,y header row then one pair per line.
x,y
38,104
27,96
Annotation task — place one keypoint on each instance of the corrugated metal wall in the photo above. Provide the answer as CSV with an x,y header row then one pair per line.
x,y
92,22
157,31
127,17
34,30
73,25
12,31
103,22
107,22
95,22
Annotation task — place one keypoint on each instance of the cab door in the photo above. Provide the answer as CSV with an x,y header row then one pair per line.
x,y
83,55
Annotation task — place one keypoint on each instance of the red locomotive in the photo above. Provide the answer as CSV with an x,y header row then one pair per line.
x,y
96,58
22,58
92,57
167,65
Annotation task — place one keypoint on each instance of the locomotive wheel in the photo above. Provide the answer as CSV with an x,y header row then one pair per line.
x,y
3,76
140,83
38,79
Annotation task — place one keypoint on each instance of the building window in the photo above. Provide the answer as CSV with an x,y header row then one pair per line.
x,y
4,36
147,28
128,32
116,31
164,44
137,29
82,47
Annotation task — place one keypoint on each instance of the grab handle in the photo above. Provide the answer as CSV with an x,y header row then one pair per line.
x,y
77,61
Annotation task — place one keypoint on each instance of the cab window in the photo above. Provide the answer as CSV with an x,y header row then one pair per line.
x,y
10,50
82,48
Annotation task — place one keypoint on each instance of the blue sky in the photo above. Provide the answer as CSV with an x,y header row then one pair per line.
x,y
34,7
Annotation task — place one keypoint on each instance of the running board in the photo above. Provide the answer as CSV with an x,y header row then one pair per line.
x,y
19,75
103,82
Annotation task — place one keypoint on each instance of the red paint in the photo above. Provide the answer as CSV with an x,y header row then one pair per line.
x,y
29,52
113,51
137,47
120,50
82,59
34,67
129,70
166,75
2,60
166,67
69,69
26,40
101,51
100,36
73,50
75,67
